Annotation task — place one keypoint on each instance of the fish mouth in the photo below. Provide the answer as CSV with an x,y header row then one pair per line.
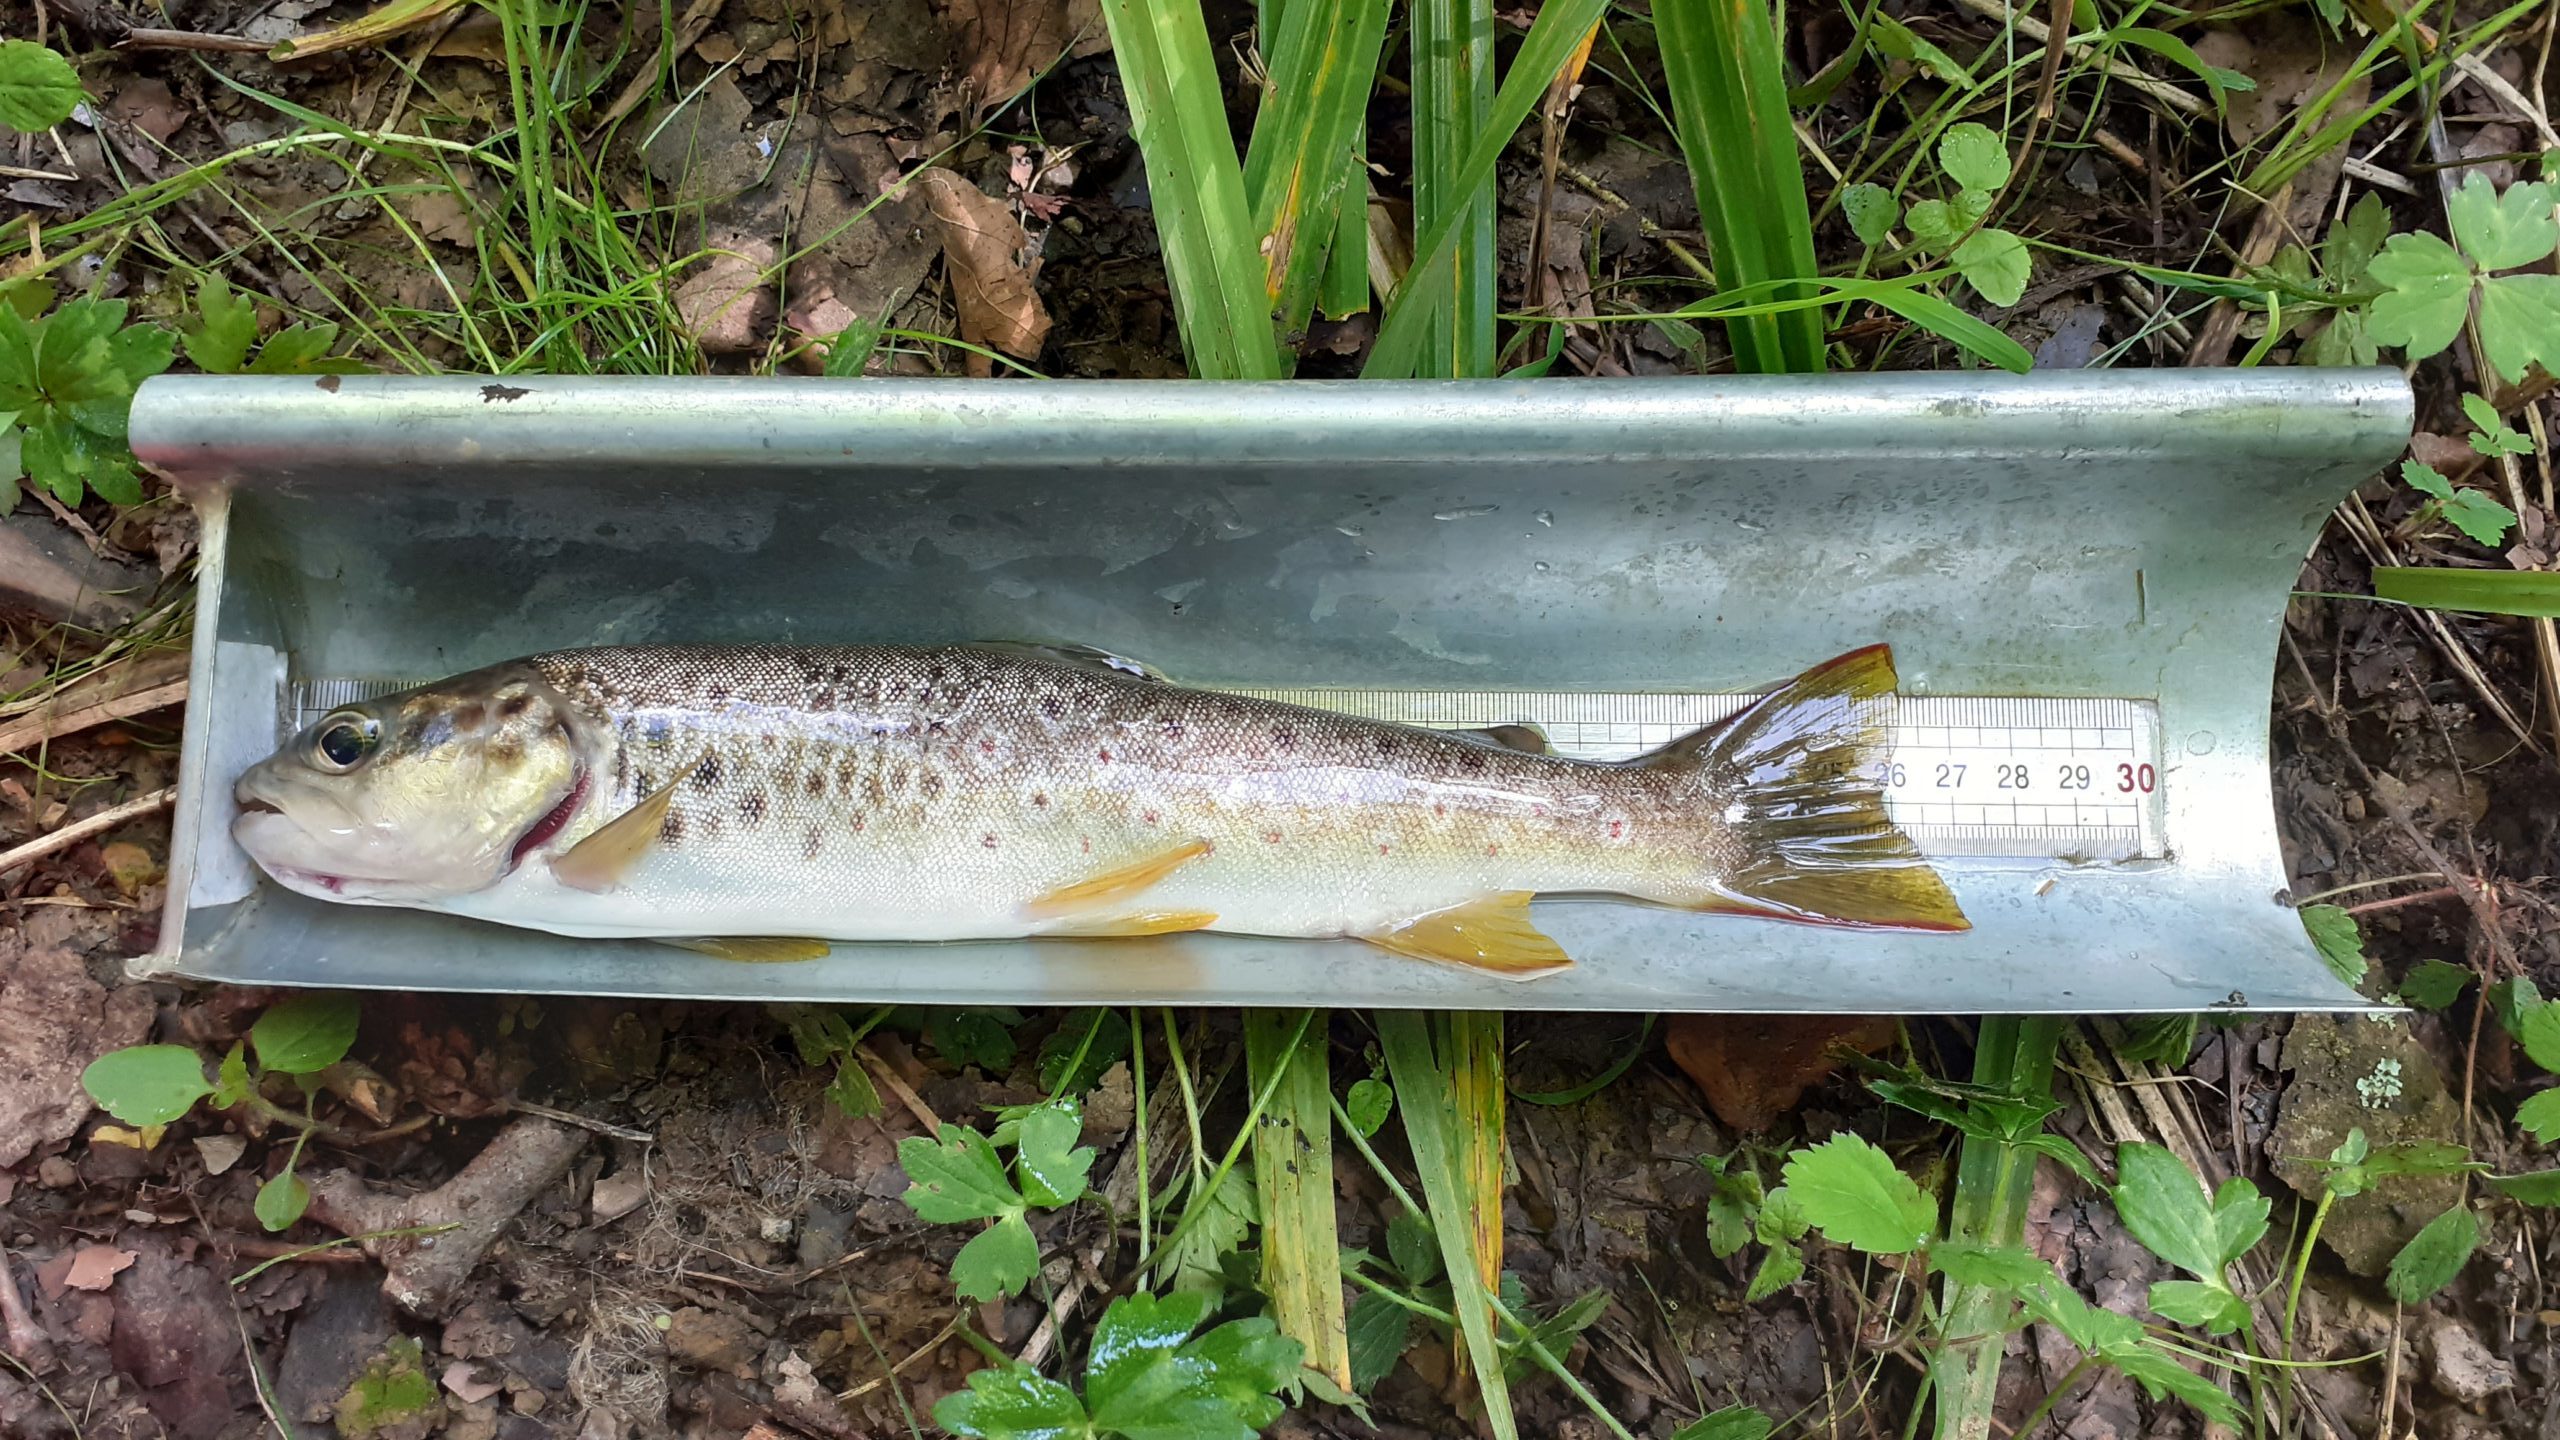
x,y
258,807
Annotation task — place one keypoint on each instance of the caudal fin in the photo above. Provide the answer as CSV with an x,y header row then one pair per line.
x,y
1804,832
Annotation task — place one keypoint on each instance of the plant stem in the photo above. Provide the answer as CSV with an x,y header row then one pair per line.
x,y
2061,1387
2302,1265
2014,1055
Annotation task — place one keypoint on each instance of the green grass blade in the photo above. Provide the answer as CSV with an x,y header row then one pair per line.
x,y
1425,1100
1293,1176
1323,64
1994,1181
1402,336
2533,593
1729,93
1345,287
1453,101
1473,1056
1212,252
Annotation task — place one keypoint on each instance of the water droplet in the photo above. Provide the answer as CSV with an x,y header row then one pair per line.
x,y
1465,512
1352,530
1545,517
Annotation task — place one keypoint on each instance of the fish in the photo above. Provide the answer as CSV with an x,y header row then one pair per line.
x,y
760,802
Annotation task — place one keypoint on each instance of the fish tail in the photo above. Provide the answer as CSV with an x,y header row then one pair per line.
x,y
1791,780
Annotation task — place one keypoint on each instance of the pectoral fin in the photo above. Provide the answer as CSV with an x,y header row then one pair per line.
x,y
1149,922
599,862
1112,887
1492,935
752,949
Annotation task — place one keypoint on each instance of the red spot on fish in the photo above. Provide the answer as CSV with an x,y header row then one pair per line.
x,y
1106,757
1382,849
1151,817
986,747
1271,836
1493,849
1617,829
988,840
1439,809
1088,843
857,824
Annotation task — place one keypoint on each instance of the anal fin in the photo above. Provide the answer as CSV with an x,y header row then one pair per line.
x,y
752,949
1492,935
1111,887
1147,922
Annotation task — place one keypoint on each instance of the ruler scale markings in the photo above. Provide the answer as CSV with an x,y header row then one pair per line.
x,y
1968,775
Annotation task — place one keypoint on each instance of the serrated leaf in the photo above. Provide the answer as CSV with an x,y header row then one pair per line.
x,y
1220,1230
1733,1422
2192,1302
1856,1196
1871,211
852,1091
818,1032
1380,1329
2538,1187
226,325
1931,223
1051,1166
306,1033
1995,264
2333,934
112,476
38,89
2539,1115
2352,242
1733,1207
301,349
974,1035
2476,515
2433,1256
2092,1330
956,1177
1012,1402
231,1081
1246,1360
1974,156
2164,1205
2539,1033
998,1260
1779,1269
1134,1368
1991,1267
2426,288
1903,43
1780,1219
2159,1039
2502,231
2520,323
146,1084
139,352
2346,340
1368,1104
281,1201
2161,1376
2495,437
2511,1000
2426,480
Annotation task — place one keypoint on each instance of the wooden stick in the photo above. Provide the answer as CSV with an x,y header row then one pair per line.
x,y
2037,31
98,824
38,729
147,39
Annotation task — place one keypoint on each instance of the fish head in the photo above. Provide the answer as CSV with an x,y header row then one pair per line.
x,y
420,796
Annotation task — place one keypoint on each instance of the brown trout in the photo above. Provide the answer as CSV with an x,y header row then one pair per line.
x,y
755,802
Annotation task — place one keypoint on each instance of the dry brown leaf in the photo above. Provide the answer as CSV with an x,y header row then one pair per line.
x,y
1009,41
96,1267
983,245
463,1379
725,305
1754,1068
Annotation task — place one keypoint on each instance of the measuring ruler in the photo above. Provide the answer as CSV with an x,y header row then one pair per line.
x,y
2074,779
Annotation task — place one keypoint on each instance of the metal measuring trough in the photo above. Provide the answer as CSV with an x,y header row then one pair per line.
x,y
2081,575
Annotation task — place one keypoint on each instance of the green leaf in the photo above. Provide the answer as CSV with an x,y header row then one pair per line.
x,y
2425,479
2486,592
2476,515
306,1033
1974,156
281,1201
1943,320
2160,1376
1733,1207
2539,1115
38,89
2090,1329
1102,1037
2009,1268
2499,231
1780,1219
956,1177
226,326
2346,340
1857,1197
2433,1256
231,1083
1220,1230
1413,1249
2352,242
1733,1422
2539,1187
1135,1367
2333,934
1380,1329
1932,225
1901,42
1871,211
2164,1205
851,348
1368,1104
1995,264
2495,436
2511,1000
2520,323
818,1032
138,352
146,1084
2212,1308
974,1035
2239,1218
1012,1402
2217,81
2434,984
852,1091
1246,1361
2426,293
1780,1268
998,1260
302,350
1051,1166
2539,1033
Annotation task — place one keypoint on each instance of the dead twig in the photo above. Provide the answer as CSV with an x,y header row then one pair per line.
x,y
74,833
145,38
43,729
571,1117
899,1087
27,1340
424,1273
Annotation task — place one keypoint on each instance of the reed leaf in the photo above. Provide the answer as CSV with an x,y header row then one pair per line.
x,y
1301,162
1293,1173
1453,96
1427,1096
2532,593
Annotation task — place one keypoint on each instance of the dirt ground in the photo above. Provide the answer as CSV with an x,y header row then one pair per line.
x,y
684,1236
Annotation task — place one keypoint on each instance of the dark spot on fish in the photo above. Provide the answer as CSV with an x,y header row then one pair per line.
x,y
1438,808
506,749
873,790
489,393
857,824
932,785
816,784
719,694
1151,817
514,705
1386,744
988,840
671,829
471,716
815,841
1050,707
751,806
648,784
841,674
1284,737
1173,729
1040,798
1469,760
1617,829
1106,756
706,776
986,747
935,674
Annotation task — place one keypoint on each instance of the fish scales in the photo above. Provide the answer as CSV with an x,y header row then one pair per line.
x,y
886,793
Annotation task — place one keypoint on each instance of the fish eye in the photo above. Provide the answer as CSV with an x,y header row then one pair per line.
x,y
345,740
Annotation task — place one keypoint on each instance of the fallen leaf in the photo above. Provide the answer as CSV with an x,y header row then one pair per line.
x,y
148,106
1754,1068
1009,41
220,1152
129,866
617,1195
983,244
142,1139
96,1267
466,1385
725,305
